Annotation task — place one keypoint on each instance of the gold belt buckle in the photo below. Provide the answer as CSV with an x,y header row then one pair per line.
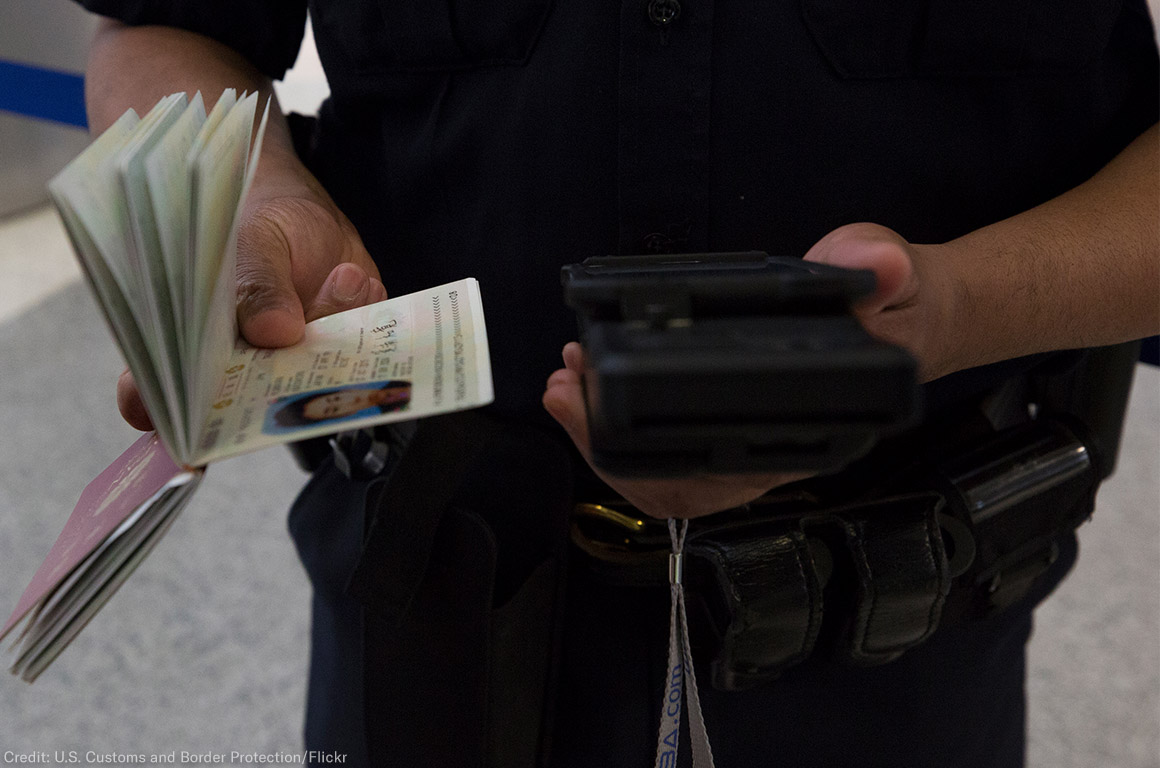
x,y
618,524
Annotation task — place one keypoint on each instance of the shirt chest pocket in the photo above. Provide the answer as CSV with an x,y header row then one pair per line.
x,y
432,35
910,38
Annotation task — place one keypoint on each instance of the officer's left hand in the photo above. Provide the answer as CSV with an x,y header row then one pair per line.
x,y
915,297
682,497
909,308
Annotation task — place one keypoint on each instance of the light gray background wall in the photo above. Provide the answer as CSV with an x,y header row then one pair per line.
x,y
53,34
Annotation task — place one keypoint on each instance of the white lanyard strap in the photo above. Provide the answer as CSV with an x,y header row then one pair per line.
x,y
681,682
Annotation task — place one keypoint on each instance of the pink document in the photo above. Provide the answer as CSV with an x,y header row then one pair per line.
x,y
120,515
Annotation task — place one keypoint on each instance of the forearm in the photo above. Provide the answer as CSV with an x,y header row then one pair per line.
x,y
1080,270
136,66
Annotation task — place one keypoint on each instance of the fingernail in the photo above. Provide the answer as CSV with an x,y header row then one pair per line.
x,y
348,282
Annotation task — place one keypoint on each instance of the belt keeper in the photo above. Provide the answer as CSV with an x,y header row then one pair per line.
x,y
676,567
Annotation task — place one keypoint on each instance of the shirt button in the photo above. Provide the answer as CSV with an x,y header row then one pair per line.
x,y
663,12
656,243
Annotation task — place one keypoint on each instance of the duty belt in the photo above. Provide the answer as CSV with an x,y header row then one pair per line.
x,y
938,544
865,580
870,569
864,566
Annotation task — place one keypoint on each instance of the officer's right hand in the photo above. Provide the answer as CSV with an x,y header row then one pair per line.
x,y
299,258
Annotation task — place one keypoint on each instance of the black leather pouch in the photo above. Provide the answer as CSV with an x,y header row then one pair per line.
x,y
784,578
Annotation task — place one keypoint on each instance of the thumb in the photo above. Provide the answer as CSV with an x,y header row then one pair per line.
x,y
347,286
877,249
269,310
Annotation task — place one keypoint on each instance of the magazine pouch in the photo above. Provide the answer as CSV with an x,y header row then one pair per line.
x,y
766,580
900,573
884,561
461,582
769,581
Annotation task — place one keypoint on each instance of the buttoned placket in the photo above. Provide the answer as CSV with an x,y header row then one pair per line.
x,y
665,79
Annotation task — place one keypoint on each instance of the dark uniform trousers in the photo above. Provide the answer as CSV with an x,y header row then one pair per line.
x,y
484,652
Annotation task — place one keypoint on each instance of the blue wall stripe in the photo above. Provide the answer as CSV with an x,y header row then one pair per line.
x,y
46,94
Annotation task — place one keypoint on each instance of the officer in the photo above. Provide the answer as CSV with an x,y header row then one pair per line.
x,y
1006,153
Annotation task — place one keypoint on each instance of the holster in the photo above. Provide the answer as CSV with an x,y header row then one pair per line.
x,y
461,577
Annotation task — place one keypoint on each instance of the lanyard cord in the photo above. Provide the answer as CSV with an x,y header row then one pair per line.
x,y
681,680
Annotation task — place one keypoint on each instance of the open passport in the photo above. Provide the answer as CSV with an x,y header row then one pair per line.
x,y
152,208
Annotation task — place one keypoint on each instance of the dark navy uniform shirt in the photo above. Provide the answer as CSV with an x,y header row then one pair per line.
x,y
504,138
